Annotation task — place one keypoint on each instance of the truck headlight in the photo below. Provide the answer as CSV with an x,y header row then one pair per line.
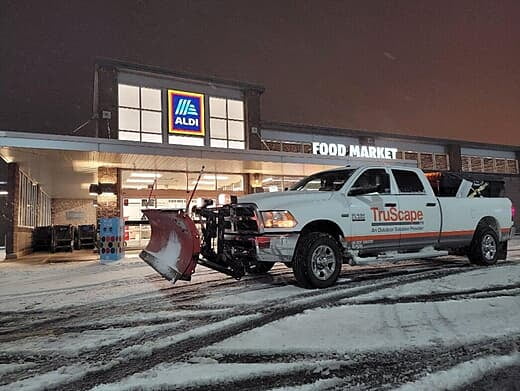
x,y
278,219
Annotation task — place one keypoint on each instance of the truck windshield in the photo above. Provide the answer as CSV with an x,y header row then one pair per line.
x,y
324,181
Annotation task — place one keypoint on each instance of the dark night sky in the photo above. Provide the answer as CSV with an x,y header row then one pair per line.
x,y
446,69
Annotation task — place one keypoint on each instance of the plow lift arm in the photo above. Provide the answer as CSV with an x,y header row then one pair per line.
x,y
175,247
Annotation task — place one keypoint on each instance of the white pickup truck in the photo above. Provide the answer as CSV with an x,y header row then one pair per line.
x,y
364,215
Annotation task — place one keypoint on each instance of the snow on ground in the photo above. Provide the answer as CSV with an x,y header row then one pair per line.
x,y
155,316
73,344
322,384
462,374
13,367
53,286
380,327
82,325
147,348
179,375
52,379
254,296
483,279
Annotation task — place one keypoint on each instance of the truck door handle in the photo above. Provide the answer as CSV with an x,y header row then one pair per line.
x,y
431,204
390,205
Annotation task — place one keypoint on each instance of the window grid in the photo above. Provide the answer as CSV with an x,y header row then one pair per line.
x,y
489,164
28,201
44,210
227,141
129,134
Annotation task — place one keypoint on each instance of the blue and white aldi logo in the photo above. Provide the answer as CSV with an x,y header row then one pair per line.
x,y
186,113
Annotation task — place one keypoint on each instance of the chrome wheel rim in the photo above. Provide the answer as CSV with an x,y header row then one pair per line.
x,y
323,262
489,247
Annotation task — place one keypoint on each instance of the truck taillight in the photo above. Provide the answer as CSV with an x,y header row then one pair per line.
x,y
513,212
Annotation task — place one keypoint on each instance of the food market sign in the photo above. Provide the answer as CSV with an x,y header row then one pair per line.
x,y
332,149
185,113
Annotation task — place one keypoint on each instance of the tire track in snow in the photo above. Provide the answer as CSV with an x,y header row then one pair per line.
x,y
90,311
490,292
364,278
387,369
181,350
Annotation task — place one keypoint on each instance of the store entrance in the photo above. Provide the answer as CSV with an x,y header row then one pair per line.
x,y
167,190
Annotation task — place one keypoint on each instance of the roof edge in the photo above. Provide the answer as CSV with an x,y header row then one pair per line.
x,y
289,126
102,61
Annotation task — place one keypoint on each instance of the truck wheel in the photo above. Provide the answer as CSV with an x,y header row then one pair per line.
x,y
317,260
484,247
259,267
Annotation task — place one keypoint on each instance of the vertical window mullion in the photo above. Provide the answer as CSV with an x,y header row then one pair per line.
x,y
227,123
140,114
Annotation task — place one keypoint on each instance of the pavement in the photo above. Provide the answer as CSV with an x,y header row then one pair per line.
x,y
424,324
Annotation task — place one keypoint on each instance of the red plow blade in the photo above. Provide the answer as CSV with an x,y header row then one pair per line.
x,y
174,247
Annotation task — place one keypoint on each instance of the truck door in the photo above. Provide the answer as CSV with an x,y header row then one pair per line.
x,y
418,215
370,199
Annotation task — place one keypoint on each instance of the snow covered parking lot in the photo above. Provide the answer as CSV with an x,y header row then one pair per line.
x,y
440,324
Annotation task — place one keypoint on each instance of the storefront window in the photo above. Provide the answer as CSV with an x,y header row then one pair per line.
x,y
44,212
274,183
171,189
140,114
28,196
226,123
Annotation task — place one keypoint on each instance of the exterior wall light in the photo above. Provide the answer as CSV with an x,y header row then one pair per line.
x,y
107,188
93,189
102,188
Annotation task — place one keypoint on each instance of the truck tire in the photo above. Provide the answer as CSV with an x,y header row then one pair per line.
x,y
317,260
259,267
484,248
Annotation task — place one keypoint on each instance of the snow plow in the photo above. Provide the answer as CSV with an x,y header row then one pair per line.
x,y
175,246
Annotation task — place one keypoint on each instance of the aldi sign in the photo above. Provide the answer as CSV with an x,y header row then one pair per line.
x,y
185,113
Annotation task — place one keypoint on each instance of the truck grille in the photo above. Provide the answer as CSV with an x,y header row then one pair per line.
x,y
242,219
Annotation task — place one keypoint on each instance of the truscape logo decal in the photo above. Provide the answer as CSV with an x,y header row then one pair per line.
x,y
396,220
395,216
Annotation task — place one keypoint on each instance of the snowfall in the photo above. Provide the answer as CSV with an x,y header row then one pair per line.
x,y
421,325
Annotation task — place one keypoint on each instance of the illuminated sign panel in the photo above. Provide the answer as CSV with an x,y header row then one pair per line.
x,y
185,113
331,149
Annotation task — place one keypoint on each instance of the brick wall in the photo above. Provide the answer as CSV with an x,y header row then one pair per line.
x,y
73,211
109,205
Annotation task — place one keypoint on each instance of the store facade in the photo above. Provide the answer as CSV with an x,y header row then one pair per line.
x,y
156,129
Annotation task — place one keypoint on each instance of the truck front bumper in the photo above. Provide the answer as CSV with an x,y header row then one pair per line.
x,y
276,247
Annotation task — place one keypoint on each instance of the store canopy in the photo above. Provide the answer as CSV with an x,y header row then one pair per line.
x,y
66,165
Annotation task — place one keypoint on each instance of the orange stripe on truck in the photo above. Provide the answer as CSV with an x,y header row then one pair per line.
x,y
407,235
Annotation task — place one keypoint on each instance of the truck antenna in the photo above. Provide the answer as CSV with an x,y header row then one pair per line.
x,y
194,189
